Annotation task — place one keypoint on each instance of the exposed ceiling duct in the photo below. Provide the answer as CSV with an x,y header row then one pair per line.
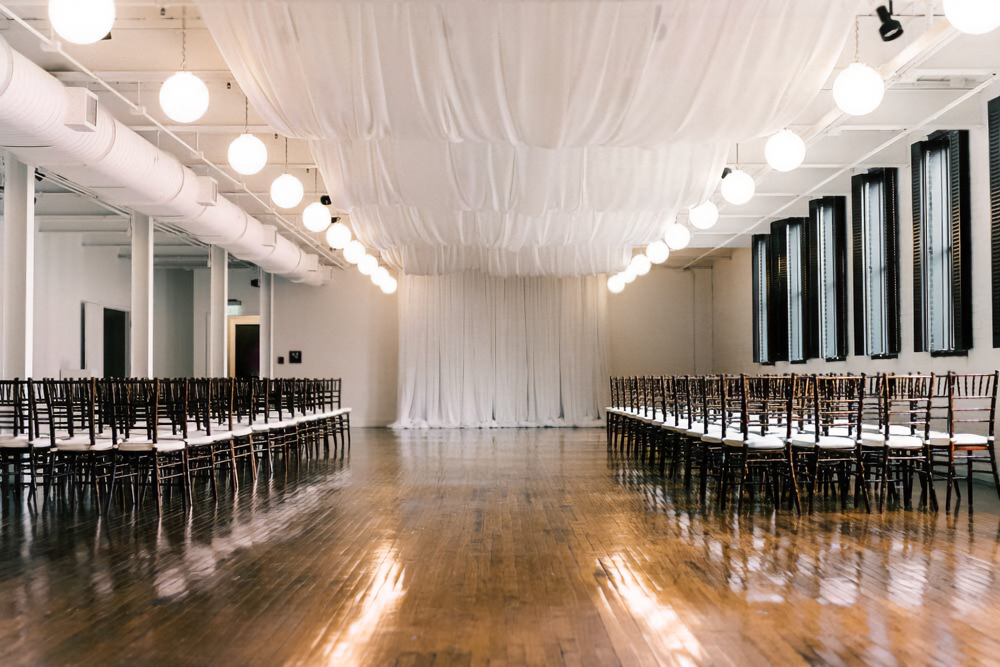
x,y
65,130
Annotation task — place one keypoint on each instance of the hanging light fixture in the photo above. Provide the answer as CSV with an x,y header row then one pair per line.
x,y
82,21
354,251
677,236
640,264
859,89
658,252
389,286
704,216
973,17
616,284
738,187
316,217
890,28
380,275
286,190
184,97
367,265
338,236
628,275
785,151
247,153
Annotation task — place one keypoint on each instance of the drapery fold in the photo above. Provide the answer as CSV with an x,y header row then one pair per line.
x,y
481,351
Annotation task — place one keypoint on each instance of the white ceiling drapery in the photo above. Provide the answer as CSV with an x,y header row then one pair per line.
x,y
592,115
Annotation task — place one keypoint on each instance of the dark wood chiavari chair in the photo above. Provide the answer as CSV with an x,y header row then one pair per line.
x,y
906,403
78,457
23,457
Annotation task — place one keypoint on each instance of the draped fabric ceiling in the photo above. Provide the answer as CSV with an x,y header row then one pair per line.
x,y
525,138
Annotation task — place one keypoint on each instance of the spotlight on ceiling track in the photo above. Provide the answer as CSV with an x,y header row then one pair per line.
x,y
890,28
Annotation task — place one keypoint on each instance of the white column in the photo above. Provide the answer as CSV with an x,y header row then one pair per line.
x,y
141,333
266,330
218,324
16,328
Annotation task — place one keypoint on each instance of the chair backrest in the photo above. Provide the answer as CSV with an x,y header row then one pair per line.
x,y
14,415
906,401
838,403
71,407
972,403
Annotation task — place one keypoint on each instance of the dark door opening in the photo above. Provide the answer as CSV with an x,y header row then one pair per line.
x,y
247,351
115,343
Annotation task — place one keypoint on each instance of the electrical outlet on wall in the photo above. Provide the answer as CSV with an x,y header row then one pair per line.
x,y
295,357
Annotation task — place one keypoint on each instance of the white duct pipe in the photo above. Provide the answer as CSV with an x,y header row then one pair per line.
x,y
126,170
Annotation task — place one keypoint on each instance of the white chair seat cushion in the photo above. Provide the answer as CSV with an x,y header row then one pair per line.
x,y
170,446
712,437
200,438
81,443
905,442
939,439
137,444
261,428
16,441
242,432
756,442
872,439
681,425
825,442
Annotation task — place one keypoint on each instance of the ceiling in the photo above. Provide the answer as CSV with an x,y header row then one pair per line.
x,y
935,79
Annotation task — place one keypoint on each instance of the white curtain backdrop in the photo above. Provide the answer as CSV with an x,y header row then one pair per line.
x,y
482,351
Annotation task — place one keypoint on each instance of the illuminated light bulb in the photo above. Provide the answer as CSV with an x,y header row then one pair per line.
x,y
785,151
184,97
973,17
380,275
286,191
704,216
677,236
641,265
858,90
738,187
658,252
354,251
367,265
389,286
247,155
316,217
82,21
338,236
616,284
629,274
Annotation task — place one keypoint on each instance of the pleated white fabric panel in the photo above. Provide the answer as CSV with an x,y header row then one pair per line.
x,y
482,351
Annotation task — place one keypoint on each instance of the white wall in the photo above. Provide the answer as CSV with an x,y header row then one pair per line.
x,y
348,329
173,323
733,297
67,274
652,325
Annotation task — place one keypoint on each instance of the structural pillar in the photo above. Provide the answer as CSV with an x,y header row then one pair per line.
x,y
266,330
218,323
16,327
141,332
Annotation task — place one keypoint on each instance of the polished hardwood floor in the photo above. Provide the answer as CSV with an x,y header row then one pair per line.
x,y
503,547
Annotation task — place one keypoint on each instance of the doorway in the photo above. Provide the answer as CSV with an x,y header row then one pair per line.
x,y
244,346
115,343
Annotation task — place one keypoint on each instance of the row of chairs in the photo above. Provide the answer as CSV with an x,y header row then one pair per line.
x,y
69,436
866,435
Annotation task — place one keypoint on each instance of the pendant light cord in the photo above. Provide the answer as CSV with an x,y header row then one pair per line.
x,y
246,115
183,38
857,38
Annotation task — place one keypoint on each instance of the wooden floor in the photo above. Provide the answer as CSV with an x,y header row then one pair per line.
x,y
505,547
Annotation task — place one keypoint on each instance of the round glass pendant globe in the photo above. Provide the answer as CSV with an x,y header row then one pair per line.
x,y
785,151
380,275
338,236
616,284
184,97
738,187
973,17
247,155
389,286
858,90
641,265
82,21
628,275
677,236
704,216
286,191
367,265
354,251
316,217
658,252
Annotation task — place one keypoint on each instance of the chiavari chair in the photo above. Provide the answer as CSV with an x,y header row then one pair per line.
x,y
78,456
208,449
23,458
906,401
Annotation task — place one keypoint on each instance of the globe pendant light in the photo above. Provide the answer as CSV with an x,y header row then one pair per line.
x,y
316,217
82,21
247,155
184,97
338,236
286,191
973,17
738,187
641,265
367,265
677,236
354,251
380,275
704,216
785,151
858,90
389,286
628,275
658,252
616,284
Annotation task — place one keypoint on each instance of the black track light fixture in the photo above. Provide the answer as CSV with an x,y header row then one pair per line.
x,y
890,28
325,200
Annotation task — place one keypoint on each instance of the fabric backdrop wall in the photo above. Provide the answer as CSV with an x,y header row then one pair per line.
x,y
483,351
